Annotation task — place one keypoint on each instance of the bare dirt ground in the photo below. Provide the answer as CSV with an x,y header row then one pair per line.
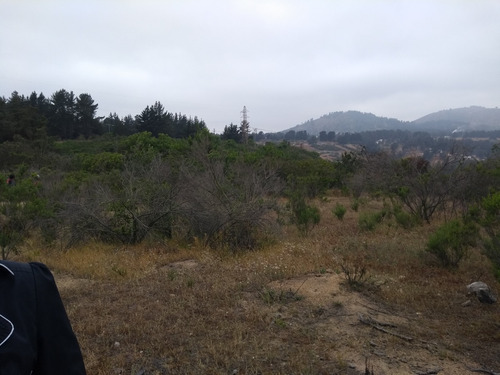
x,y
368,335
314,318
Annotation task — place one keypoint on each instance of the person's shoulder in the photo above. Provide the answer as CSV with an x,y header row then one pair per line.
x,y
14,267
39,266
17,268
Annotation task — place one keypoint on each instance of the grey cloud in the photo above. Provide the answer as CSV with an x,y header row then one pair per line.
x,y
287,61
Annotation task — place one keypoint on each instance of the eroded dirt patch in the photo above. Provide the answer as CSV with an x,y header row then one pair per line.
x,y
182,265
364,333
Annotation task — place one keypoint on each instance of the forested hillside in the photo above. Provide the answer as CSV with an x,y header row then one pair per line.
x,y
468,119
349,122
439,123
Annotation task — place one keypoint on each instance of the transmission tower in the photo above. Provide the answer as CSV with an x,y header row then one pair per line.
x,y
245,125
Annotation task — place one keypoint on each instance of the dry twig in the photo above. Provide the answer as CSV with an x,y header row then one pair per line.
x,y
377,325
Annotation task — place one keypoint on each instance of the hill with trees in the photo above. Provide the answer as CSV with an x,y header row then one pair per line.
x,y
444,122
467,119
348,122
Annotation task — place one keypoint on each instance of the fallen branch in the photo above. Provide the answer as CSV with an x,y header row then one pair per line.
x,y
373,323
377,310
370,320
484,371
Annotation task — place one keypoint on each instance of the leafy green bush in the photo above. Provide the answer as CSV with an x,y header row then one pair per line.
x,y
490,222
403,218
23,209
305,217
339,211
369,220
355,204
450,243
102,162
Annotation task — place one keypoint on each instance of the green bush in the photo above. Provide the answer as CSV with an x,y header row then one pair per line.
x,y
490,222
450,243
305,217
339,211
23,209
369,220
403,218
102,162
355,204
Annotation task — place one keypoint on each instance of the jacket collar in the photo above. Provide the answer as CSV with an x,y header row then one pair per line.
x,y
6,329
4,267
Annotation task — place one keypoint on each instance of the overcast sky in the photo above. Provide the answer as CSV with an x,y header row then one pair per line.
x,y
287,61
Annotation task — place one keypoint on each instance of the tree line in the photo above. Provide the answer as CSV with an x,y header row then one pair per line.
x,y
68,116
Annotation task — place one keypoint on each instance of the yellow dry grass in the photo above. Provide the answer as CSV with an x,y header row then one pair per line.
x,y
190,310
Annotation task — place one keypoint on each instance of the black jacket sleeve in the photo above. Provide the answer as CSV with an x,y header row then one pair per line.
x,y
58,349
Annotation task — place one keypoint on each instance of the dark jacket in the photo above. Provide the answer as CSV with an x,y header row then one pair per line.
x,y
35,333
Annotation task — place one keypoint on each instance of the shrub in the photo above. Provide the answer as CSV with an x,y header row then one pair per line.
x,y
450,242
355,205
305,217
271,296
369,220
355,269
403,218
339,211
22,210
490,222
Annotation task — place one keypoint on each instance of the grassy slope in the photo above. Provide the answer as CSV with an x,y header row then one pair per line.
x,y
173,310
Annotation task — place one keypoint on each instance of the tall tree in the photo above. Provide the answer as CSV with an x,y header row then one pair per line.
x,y
85,111
62,121
21,118
231,132
153,119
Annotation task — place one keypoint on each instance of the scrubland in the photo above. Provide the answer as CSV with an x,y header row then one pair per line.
x,y
340,300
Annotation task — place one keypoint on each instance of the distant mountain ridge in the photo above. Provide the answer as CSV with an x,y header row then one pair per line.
x,y
450,120
463,119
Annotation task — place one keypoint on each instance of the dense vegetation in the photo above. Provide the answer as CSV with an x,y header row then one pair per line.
x,y
164,177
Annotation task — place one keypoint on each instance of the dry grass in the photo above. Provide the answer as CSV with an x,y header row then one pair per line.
x,y
193,311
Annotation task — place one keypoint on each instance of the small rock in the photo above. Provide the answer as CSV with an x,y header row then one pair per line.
x,y
482,292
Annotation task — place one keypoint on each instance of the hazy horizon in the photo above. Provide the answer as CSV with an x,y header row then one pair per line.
x,y
286,61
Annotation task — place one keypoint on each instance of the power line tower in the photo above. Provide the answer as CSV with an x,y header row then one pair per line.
x,y
245,125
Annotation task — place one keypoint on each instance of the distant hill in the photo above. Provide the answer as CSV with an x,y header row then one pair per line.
x,y
446,121
348,122
461,119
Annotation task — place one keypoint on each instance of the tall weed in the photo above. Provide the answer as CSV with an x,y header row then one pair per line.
x,y
451,242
